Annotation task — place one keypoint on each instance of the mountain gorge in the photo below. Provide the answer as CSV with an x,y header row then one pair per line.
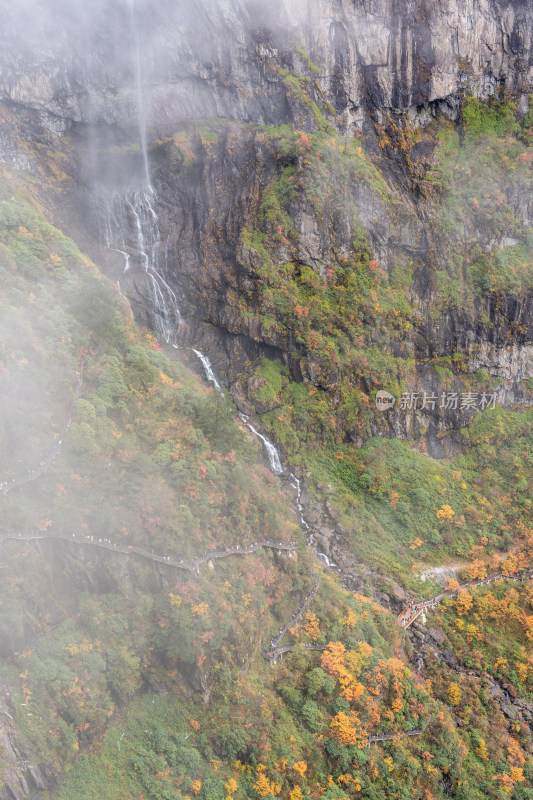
x,y
305,204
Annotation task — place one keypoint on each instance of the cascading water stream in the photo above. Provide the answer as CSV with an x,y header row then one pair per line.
x,y
129,225
274,459
128,220
209,374
141,111
303,522
296,485
419,659
133,211
273,455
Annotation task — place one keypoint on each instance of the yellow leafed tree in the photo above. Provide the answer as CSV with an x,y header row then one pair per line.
x,y
463,602
454,694
446,512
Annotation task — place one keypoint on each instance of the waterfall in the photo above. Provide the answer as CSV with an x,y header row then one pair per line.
x,y
209,374
128,221
129,225
141,113
273,455
274,459
296,485
303,522
326,560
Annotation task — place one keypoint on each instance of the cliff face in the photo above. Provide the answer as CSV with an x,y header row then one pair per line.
x,y
306,193
362,68
221,59
207,203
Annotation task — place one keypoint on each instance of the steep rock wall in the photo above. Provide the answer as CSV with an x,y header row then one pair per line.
x,y
221,59
60,71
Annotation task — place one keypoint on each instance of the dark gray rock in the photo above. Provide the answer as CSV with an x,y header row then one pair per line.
x,y
509,711
448,658
397,593
205,59
437,636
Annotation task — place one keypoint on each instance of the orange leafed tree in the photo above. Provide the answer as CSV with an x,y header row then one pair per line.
x,y
463,602
452,585
477,570
346,667
347,729
454,694
300,767
311,626
263,786
528,621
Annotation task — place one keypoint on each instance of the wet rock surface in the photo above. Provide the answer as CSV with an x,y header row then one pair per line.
x,y
371,62
219,59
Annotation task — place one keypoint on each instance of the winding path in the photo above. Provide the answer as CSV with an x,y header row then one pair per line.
x,y
191,565
387,737
405,618
412,612
273,651
272,655
289,647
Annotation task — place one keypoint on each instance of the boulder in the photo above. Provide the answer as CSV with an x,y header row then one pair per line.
x,y
437,635
508,710
397,593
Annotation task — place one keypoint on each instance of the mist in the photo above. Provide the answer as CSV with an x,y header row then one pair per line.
x,y
227,228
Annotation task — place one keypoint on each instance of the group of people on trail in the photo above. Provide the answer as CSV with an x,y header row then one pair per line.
x,y
410,613
192,563
413,609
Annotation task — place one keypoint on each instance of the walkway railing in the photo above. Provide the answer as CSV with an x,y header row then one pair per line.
x,y
387,737
409,614
190,565
273,650
287,648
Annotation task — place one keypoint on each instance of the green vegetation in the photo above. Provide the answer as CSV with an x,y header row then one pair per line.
x,y
505,271
341,319
491,629
311,66
484,173
136,681
326,314
141,430
482,120
387,495
301,89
